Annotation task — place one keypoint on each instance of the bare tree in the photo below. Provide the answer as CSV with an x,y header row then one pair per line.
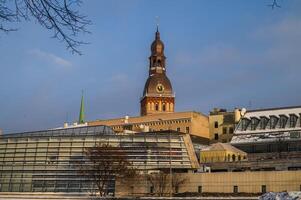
x,y
160,182
59,16
103,163
177,181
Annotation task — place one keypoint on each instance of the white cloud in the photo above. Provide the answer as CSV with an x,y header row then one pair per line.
x,y
51,58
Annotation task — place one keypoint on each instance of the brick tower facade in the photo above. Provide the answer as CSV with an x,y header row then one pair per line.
x,y
158,96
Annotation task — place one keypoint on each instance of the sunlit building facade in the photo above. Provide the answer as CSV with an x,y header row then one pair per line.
x,y
46,161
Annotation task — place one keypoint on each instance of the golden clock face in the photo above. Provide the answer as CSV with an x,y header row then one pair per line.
x,y
160,88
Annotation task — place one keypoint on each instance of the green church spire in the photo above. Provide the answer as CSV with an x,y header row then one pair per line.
x,y
81,112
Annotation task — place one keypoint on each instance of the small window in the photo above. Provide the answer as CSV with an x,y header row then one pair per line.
x,y
263,189
187,129
215,124
216,136
233,157
178,129
235,189
200,189
263,123
245,124
151,189
164,107
282,121
224,130
231,130
254,123
157,107
293,121
273,122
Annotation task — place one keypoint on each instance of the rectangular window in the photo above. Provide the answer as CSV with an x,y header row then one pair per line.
x,y
151,189
245,124
200,189
187,129
263,189
231,130
293,121
235,189
273,122
224,130
178,129
215,124
254,123
263,123
282,122
216,136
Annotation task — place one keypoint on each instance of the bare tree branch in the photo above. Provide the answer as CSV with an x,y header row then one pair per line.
x,y
103,164
61,17
274,4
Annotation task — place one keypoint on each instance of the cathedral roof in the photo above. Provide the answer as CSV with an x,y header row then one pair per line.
x,y
154,81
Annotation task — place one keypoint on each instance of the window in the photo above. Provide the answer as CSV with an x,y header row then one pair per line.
x,y
254,123
282,121
235,189
187,129
215,124
216,136
224,130
157,107
263,189
178,129
200,189
233,157
245,124
263,122
164,107
293,121
231,130
273,122
151,189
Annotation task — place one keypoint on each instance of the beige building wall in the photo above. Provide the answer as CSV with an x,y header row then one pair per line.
x,y
194,123
225,127
223,182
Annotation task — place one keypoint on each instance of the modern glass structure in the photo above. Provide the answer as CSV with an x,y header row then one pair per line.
x,y
43,161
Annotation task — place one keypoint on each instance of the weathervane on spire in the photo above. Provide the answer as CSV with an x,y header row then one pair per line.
x,y
157,22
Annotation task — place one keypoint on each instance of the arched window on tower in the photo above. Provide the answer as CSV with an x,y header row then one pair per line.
x,y
164,107
157,107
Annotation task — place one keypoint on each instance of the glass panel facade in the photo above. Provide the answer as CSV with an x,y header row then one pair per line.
x,y
45,161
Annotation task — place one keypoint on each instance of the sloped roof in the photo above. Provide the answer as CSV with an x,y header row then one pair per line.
x,y
223,147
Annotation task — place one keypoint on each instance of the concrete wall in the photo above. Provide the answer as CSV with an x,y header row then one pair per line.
x,y
223,182
248,182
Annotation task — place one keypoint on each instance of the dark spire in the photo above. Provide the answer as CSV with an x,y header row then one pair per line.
x,y
157,33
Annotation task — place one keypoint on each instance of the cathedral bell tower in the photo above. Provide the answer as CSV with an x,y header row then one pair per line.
x,y
158,96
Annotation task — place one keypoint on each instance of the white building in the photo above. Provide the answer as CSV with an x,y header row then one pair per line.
x,y
269,130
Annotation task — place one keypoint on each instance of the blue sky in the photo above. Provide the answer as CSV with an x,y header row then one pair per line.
x,y
219,54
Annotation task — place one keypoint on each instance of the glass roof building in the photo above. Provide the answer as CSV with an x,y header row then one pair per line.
x,y
43,161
